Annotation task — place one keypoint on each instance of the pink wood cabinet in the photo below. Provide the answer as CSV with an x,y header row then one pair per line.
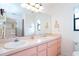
x,y
42,53
27,52
59,46
52,48
42,50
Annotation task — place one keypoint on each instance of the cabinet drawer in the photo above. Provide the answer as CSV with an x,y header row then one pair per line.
x,y
59,45
52,43
52,51
59,41
28,52
42,53
59,51
42,47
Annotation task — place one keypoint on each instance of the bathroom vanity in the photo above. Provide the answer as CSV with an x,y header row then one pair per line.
x,y
45,46
28,23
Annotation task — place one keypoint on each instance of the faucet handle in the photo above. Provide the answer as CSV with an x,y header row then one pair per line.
x,y
16,40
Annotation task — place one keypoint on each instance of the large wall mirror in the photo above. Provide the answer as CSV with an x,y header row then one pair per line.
x,y
22,22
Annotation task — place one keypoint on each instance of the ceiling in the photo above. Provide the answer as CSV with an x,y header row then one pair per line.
x,y
11,7
16,7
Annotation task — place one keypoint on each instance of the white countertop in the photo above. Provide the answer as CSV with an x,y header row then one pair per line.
x,y
31,43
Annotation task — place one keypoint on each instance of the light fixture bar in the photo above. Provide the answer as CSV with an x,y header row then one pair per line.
x,y
33,6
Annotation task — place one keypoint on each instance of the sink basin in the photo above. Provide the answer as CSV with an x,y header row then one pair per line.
x,y
12,45
2,50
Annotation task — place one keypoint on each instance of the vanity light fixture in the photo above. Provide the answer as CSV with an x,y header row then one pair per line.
x,y
35,7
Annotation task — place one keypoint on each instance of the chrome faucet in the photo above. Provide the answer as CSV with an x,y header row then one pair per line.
x,y
32,37
16,40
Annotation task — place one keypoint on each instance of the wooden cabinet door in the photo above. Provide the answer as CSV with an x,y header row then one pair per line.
x,y
42,50
42,53
59,43
28,52
59,47
52,48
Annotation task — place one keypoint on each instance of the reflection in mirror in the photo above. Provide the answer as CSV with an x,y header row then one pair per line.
x,y
23,22
41,22
31,29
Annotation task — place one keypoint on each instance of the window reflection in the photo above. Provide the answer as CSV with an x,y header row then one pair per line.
x,y
31,29
76,19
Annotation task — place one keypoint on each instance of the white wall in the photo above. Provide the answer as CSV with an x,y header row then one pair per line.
x,y
64,14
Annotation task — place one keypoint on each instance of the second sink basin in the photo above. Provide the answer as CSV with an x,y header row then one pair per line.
x,y
12,45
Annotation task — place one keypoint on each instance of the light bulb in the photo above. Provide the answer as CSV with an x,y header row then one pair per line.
x,y
36,10
28,7
23,5
32,4
37,5
32,8
41,8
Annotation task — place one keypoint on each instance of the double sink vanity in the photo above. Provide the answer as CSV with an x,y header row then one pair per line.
x,y
18,26
23,46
